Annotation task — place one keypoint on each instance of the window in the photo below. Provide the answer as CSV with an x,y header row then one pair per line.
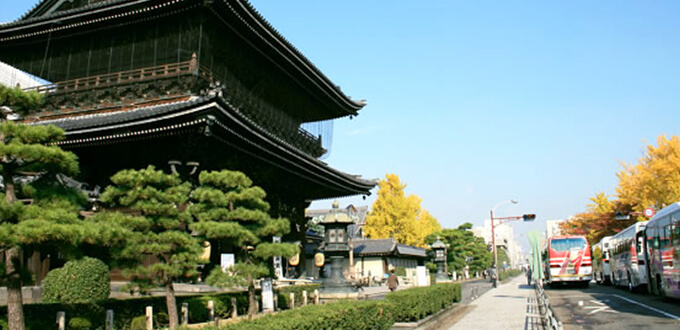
x,y
566,244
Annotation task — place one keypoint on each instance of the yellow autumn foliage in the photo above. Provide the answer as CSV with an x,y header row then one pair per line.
x,y
399,216
655,179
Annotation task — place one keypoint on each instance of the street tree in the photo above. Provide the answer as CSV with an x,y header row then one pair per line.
x,y
23,149
397,215
159,232
655,179
598,221
228,209
465,249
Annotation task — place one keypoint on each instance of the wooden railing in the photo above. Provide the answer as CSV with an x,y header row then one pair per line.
x,y
121,77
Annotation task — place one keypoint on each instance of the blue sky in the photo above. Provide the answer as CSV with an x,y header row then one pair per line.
x,y
475,102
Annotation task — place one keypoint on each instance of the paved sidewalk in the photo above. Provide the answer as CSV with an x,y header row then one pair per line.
x,y
510,306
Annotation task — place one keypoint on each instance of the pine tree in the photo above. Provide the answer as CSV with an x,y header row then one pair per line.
x,y
230,210
26,148
159,232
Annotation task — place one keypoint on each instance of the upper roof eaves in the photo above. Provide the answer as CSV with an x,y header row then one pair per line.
x,y
355,105
32,16
262,28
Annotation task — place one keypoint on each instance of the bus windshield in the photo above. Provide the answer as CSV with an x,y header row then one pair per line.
x,y
566,244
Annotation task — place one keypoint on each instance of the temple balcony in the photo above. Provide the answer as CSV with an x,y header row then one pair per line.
x,y
132,89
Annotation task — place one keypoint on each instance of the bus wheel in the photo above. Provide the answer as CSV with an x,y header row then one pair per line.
x,y
631,288
659,288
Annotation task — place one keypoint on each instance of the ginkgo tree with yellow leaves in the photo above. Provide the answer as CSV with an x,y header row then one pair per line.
x,y
397,215
653,182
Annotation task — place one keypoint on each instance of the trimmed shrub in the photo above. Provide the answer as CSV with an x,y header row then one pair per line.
x,y
400,271
417,303
79,323
347,315
198,308
504,275
284,294
79,281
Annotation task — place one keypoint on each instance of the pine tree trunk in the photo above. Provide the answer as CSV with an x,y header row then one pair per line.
x,y
171,304
15,310
252,298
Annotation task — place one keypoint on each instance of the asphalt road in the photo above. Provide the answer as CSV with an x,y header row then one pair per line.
x,y
606,307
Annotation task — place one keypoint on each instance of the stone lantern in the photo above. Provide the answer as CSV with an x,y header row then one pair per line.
x,y
439,249
336,248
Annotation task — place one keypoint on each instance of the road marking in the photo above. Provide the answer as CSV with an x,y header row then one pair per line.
x,y
648,307
602,308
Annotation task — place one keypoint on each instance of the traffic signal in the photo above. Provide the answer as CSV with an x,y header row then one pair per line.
x,y
529,217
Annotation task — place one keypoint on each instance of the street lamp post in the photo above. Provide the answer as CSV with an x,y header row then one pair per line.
x,y
493,241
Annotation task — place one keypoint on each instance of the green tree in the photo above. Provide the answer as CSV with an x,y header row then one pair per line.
x,y
228,209
465,249
159,233
29,149
399,216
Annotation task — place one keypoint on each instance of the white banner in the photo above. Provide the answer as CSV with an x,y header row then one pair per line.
x,y
226,260
278,267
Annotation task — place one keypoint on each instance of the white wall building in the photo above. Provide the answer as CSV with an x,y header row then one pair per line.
x,y
505,239
552,228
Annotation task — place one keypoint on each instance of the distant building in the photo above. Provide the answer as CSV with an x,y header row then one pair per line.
x,y
505,239
552,228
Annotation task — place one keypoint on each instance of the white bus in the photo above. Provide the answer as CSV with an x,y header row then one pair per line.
x,y
663,246
627,261
601,269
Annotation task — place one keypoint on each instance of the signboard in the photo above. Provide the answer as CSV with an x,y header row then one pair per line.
x,y
226,260
421,276
278,267
267,296
649,212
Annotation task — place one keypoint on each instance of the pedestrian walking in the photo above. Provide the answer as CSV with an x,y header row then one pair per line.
x,y
392,281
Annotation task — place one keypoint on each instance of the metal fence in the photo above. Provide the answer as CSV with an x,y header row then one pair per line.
x,y
548,317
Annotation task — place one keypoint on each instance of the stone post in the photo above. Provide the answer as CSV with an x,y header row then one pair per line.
x,y
109,319
304,298
149,318
61,320
185,313
234,311
211,310
316,297
292,300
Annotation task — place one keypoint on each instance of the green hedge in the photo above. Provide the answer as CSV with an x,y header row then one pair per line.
x,y
342,315
417,303
42,316
503,275
401,306
79,281
284,294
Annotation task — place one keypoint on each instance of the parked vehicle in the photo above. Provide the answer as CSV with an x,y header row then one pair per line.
x,y
600,254
627,252
568,259
663,246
